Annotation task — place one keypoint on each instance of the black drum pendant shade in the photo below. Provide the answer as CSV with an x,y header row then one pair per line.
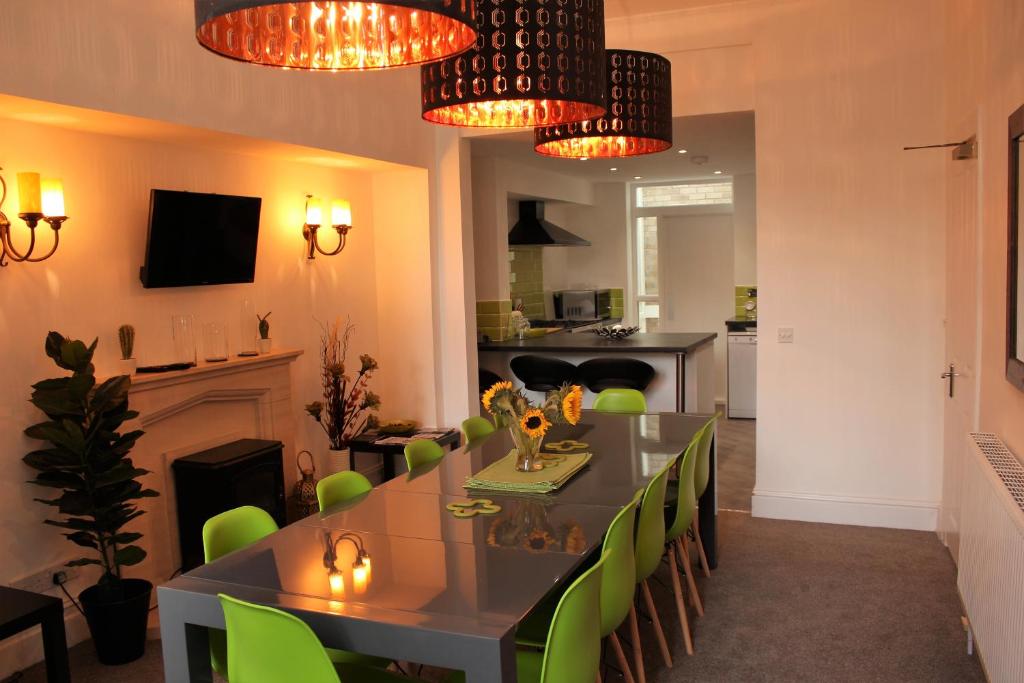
x,y
331,35
639,118
535,62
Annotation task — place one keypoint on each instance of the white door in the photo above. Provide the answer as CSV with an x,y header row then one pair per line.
x,y
960,415
695,273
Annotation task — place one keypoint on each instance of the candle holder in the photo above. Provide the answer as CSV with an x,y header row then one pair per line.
x,y
51,202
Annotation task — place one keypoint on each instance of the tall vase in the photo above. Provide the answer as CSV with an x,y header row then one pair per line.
x,y
527,451
338,460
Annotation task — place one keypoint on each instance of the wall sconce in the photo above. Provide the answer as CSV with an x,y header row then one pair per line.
x,y
39,200
341,221
361,568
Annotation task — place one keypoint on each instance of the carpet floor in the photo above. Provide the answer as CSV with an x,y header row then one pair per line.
x,y
737,452
790,601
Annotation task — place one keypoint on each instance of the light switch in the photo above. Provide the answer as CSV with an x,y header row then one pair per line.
x,y
785,335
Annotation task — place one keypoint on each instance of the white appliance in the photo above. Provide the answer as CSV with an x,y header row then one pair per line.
x,y
743,374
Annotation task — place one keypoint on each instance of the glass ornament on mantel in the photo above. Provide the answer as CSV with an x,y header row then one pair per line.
x,y
248,329
215,342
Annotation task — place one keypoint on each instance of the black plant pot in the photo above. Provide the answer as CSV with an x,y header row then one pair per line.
x,y
117,614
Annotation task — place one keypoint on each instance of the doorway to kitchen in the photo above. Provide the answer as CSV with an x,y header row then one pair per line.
x,y
694,244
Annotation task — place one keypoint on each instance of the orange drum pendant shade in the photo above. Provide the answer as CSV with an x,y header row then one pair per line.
x,y
333,35
639,118
535,63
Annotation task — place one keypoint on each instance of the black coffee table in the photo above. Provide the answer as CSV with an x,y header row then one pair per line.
x,y
21,610
367,443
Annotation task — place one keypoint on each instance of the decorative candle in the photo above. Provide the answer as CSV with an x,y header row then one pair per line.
x,y
53,197
341,212
29,196
359,578
314,211
337,581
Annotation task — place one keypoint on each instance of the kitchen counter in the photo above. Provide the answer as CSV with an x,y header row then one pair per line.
x,y
684,363
741,324
663,342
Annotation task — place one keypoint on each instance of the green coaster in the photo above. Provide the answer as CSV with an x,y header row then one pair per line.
x,y
472,508
566,446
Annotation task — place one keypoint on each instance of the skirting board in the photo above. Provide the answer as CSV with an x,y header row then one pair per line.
x,y
877,512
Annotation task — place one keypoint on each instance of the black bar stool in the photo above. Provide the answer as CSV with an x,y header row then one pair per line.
x,y
599,374
540,373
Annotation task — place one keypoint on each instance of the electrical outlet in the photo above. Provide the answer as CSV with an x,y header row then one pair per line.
x,y
43,580
785,335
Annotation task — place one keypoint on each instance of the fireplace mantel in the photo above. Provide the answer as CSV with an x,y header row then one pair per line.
x,y
205,370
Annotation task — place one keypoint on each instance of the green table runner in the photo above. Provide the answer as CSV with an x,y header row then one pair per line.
x,y
503,476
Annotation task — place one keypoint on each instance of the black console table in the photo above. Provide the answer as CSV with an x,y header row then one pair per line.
x,y
21,610
367,442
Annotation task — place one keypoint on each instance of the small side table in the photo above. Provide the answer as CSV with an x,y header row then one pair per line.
x,y
367,443
21,610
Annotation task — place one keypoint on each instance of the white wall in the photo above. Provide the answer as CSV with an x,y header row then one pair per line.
x,y
744,213
849,420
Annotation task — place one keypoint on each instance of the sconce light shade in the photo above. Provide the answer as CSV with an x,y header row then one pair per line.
x,y
341,212
53,197
639,118
333,35
534,64
314,211
29,193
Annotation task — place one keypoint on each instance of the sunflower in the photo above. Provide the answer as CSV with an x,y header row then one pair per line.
x,y
572,404
534,423
490,393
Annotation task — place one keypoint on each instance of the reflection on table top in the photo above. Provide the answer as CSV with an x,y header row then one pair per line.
x,y
627,451
399,556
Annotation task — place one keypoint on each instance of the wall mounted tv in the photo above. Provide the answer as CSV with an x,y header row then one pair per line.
x,y
200,239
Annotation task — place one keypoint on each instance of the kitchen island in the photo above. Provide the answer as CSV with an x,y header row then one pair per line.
x,y
684,363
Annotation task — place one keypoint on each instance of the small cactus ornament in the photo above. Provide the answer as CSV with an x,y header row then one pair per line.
x,y
264,325
126,337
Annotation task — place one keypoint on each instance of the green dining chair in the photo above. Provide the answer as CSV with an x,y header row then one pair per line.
x,y
266,645
340,488
650,546
476,428
572,648
421,452
678,519
236,529
618,586
701,476
621,401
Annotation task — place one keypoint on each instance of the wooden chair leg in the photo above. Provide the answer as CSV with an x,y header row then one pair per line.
x,y
638,655
620,655
677,590
700,549
684,559
658,631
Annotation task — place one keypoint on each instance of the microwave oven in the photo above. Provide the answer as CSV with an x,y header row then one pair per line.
x,y
583,304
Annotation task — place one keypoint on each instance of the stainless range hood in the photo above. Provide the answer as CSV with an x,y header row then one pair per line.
x,y
533,231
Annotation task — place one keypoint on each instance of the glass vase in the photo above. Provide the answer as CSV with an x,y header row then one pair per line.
x,y
248,329
527,451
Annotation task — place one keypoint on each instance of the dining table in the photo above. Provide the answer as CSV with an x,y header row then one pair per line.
x,y
398,574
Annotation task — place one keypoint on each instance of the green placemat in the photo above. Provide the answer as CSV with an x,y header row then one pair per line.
x,y
502,475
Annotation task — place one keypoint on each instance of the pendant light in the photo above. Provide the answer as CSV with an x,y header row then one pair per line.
x,y
535,62
639,118
333,35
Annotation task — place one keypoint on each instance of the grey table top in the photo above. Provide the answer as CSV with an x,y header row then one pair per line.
x,y
659,342
436,573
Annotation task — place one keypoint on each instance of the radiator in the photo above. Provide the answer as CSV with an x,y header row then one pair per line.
x,y
991,561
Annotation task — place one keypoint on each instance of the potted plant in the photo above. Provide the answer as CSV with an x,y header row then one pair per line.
x,y
126,337
87,460
264,342
347,406
528,423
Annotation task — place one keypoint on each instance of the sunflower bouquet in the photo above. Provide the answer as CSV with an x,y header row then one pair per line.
x,y
529,423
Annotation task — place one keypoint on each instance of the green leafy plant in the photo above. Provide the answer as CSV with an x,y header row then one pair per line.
x,y
264,325
87,459
126,338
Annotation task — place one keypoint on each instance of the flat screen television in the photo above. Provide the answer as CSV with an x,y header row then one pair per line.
x,y
200,239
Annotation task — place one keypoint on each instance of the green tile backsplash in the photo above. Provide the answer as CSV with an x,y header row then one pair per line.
x,y
526,279
745,293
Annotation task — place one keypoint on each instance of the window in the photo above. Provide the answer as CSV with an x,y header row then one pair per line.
x,y
652,203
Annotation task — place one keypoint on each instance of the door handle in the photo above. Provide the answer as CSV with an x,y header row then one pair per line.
x,y
950,375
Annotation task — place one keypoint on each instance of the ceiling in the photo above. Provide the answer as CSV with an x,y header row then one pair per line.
x,y
726,139
620,9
